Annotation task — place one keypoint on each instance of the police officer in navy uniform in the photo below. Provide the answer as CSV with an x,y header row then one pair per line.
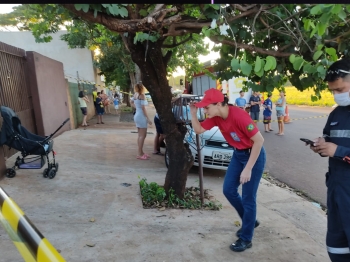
x,y
335,144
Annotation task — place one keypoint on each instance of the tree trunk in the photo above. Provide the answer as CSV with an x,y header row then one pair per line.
x,y
154,78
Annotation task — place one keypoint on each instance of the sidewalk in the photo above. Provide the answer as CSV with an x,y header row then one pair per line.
x,y
94,163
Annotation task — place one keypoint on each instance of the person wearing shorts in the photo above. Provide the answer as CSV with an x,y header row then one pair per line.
x,y
99,108
159,137
280,109
267,113
83,99
116,103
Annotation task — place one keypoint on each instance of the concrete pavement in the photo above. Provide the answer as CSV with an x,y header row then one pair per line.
x,y
94,163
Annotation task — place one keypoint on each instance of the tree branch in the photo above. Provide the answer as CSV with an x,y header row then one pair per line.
x,y
250,48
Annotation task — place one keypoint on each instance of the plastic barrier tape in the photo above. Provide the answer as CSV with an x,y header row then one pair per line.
x,y
30,243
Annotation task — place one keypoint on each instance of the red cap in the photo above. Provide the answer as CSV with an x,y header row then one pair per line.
x,y
211,96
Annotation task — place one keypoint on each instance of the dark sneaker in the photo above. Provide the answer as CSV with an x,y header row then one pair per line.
x,y
240,245
238,233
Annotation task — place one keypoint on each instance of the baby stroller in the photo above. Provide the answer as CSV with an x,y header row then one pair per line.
x,y
14,135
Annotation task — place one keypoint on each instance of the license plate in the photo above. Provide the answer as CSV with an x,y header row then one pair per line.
x,y
221,156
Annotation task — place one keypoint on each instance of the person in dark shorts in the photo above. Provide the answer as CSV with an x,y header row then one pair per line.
x,y
267,113
99,108
159,137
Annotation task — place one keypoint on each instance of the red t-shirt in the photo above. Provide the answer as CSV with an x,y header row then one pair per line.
x,y
237,128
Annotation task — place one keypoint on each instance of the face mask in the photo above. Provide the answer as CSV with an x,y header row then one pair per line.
x,y
342,99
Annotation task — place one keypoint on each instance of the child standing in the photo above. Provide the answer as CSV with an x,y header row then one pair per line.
x,y
116,103
99,108
267,113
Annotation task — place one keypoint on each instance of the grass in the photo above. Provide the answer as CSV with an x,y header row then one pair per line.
x,y
296,97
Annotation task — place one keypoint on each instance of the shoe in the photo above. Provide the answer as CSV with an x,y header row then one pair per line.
x,y
238,233
144,157
240,245
102,123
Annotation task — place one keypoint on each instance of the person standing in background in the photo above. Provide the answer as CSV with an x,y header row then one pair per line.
x,y
99,108
280,111
267,113
240,101
255,106
83,99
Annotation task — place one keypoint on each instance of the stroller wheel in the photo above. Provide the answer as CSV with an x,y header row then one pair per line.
x,y
46,172
10,173
56,167
52,173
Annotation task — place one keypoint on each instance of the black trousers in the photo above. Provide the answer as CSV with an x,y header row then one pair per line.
x,y
338,207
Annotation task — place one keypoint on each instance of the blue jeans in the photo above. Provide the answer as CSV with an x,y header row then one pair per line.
x,y
255,115
245,205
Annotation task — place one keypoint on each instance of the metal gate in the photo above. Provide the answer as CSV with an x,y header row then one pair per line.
x,y
14,90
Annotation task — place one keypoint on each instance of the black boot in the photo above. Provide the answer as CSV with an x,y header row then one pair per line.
x,y
240,245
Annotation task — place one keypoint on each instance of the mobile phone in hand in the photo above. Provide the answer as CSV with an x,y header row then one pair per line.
x,y
307,141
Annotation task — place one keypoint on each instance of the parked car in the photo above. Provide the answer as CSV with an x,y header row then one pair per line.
x,y
216,153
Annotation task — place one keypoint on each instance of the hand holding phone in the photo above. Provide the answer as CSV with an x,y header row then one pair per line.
x,y
307,141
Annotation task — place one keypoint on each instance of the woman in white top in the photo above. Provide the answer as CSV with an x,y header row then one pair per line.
x,y
83,107
141,119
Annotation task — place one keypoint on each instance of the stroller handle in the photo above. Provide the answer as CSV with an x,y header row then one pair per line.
x,y
49,137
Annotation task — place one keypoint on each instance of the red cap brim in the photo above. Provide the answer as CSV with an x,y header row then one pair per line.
x,y
202,104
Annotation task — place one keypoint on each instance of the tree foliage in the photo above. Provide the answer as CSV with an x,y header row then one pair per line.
x,y
267,43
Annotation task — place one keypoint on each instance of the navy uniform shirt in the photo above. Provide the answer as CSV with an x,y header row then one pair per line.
x,y
337,131
255,108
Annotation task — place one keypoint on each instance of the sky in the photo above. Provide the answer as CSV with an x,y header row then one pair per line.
x,y
7,8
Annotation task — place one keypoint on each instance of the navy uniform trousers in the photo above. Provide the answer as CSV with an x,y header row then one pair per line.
x,y
337,131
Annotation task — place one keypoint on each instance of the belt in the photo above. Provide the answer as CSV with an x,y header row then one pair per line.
x,y
248,150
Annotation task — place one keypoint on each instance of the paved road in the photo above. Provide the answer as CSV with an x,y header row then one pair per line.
x,y
290,161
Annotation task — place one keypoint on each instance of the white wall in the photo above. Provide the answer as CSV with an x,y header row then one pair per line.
x,y
77,59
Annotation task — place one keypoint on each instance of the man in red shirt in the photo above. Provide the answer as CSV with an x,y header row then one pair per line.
x,y
248,159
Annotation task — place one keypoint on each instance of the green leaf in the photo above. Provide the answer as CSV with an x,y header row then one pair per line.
x,y
292,58
321,28
325,18
261,72
309,69
272,61
315,10
234,29
270,87
235,64
78,7
246,68
105,5
123,12
257,67
95,13
331,51
342,15
216,7
348,8
313,32
336,9
298,63
319,47
306,24
317,55
143,12
321,71
85,8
